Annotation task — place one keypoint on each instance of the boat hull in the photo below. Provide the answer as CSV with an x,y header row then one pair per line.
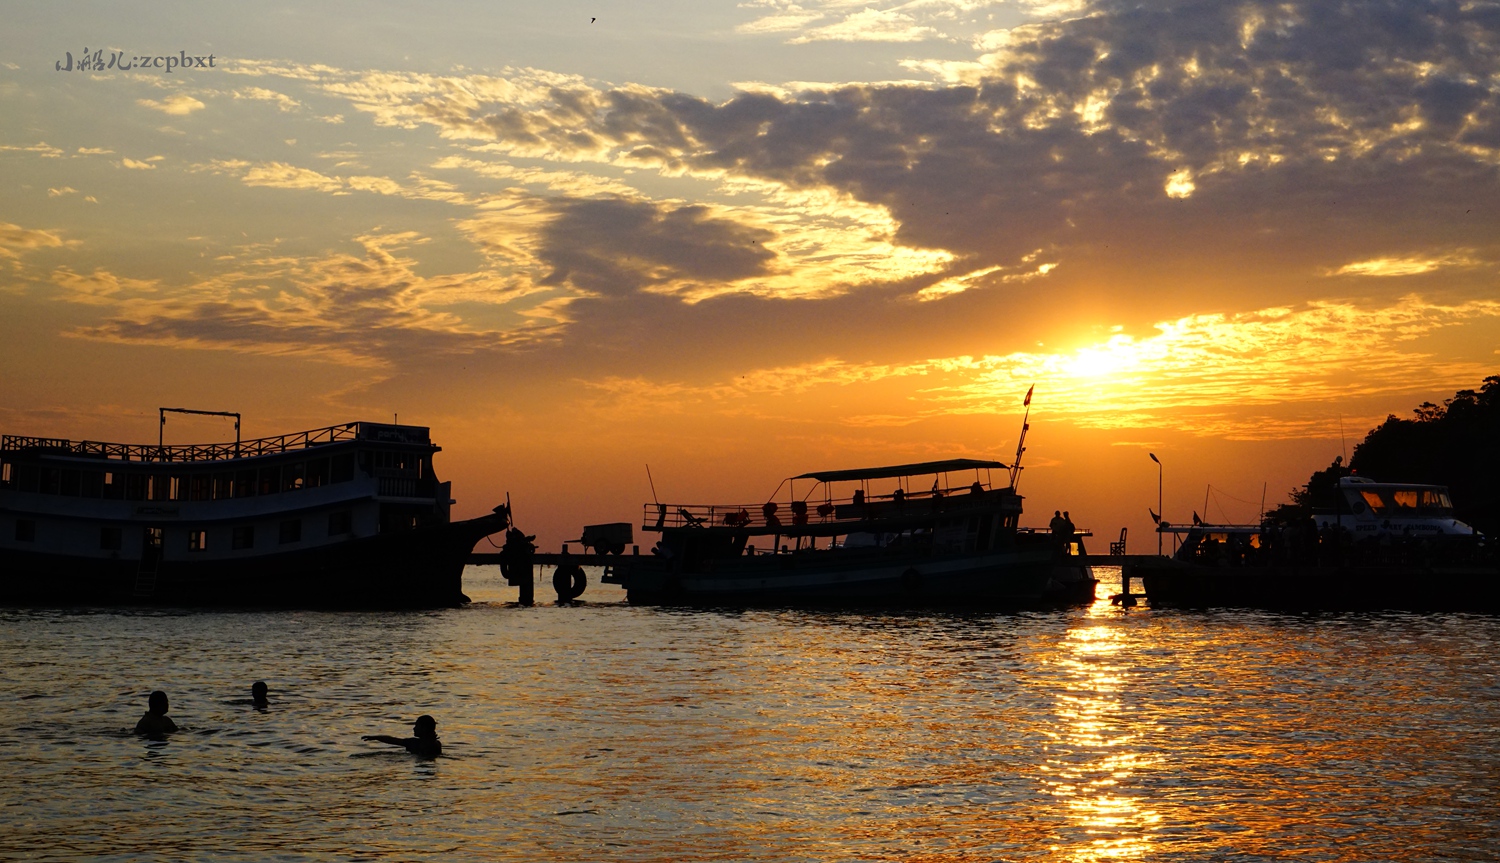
x,y
417,568
1176,584
1008,578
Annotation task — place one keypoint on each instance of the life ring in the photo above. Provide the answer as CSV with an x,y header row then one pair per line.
x,y
569,581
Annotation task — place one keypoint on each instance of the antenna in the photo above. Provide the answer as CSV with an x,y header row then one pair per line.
x,y
653,485
1343,445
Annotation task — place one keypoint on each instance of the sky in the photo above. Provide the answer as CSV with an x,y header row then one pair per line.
x,y
736,242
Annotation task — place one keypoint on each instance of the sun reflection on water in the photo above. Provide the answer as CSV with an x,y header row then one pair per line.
x,y
1095,754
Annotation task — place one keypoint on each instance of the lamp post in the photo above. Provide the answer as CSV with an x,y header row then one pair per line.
x,y
1159,514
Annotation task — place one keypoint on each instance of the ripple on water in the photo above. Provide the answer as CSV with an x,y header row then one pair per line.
x,y
609,732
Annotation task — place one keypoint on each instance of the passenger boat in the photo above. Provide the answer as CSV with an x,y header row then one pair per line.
x,y
1391,546
348,515
956,544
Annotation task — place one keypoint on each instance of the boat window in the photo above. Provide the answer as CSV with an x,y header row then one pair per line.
x,y
291,530
160,486
291,476
223,487
244,483
270,480
51,480
341,467
5,472
114,485
197,540
317,473
135,486
25,530
28,477
109,538
200,486
93,484
1377,506
243,536
1436,502
72,483
1405,498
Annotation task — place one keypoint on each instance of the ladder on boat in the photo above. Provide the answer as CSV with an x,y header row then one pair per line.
x,y
145,574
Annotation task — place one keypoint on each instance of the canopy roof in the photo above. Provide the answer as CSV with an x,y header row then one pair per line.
x,y
924,468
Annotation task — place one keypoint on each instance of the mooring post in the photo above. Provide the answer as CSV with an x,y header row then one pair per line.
x,y
528,584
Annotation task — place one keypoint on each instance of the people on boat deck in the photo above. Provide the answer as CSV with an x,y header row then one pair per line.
x,y
1068,528
859,497
424,745
799,512
898,496
1056,526
259,694
155,720
976,488
768,509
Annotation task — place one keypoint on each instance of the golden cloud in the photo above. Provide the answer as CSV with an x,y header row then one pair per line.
x,y
178,106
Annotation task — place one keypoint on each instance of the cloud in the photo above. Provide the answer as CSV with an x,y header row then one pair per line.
x,y
128,162
368,311
15,240
59,192
178,106
1242,130
41,148
1274,373
1403,266
871,25
282,101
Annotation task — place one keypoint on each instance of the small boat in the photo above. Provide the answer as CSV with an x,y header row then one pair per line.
x,y
1384,546
957,544
348,515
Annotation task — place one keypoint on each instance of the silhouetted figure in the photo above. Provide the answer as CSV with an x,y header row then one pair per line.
x,y
155,720
976,488
768,511
1067,525
424,745
859,497
1055,526
258,695
898,497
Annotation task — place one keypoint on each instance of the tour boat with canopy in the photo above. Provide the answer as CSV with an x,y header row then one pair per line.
x,y
946,535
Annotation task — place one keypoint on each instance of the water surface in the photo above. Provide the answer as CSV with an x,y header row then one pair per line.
x,y
606,732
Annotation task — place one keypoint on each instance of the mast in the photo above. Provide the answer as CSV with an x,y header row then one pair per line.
x,y
1015,468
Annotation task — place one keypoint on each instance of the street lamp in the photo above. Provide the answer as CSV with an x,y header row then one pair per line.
x,y
1159,514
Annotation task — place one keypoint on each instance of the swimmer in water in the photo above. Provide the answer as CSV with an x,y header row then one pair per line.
x,y
258,695
155,721
424,745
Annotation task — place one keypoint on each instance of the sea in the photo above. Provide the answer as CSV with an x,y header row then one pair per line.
x,y
601,731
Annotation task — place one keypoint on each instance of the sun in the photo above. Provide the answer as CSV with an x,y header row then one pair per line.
x,y
1119,354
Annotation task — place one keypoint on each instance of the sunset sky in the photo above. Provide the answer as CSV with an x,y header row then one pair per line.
x,y
741,241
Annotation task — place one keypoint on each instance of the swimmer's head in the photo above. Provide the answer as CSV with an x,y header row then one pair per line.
x,y
425,726
258,690
158,702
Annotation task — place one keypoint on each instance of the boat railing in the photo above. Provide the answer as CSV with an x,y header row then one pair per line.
x,y
183,452
657,516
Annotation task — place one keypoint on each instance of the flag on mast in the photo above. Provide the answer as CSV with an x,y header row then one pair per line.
x,y
1027,402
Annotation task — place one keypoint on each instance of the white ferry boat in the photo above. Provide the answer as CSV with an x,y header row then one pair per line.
x,y
1383,546
348,515
1369,508
955,544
